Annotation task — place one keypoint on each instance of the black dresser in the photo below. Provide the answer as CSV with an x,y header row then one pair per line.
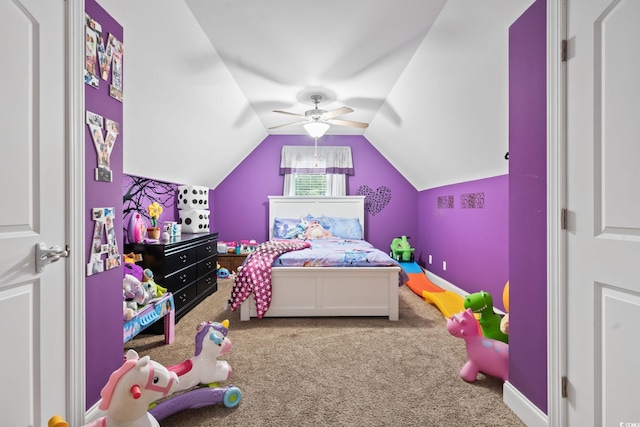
x,y
186,266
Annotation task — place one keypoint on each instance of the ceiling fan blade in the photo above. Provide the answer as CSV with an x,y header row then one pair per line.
x,y
289,113
347,123
289,124
337,112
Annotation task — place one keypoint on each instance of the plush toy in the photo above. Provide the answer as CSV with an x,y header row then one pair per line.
x,y
298,231
315,230
152,289
223,273
133,291
133,269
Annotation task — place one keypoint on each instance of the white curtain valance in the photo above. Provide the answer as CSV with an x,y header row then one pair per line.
x,y
316,160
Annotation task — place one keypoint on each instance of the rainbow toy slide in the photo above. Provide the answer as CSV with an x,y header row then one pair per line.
x,y
449,303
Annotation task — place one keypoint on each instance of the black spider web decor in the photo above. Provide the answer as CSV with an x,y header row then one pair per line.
x,y
472,201
445,202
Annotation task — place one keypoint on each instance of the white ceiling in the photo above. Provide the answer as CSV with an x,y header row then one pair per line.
x,y
430,76
280,52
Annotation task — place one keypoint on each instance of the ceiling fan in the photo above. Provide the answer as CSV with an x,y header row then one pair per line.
x,y
317,121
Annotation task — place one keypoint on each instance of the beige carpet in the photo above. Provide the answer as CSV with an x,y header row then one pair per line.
x,y
338,371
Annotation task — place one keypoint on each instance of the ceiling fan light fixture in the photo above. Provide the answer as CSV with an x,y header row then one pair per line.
x,y
316,129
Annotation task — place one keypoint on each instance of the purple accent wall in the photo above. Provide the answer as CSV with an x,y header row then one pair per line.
x,y
103,291
473,240
242,205
528,205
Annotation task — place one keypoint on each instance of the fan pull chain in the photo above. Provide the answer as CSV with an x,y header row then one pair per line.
x,y
315,150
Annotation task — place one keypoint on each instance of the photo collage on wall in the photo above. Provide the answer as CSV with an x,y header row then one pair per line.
x,y
103,229
103,143
101,58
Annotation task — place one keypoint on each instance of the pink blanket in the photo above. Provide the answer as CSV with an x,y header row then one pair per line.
x,y
255,274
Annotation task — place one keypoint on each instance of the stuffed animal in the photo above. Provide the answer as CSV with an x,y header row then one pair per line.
x,y
298,231
132,291
315,230
152,289
133,269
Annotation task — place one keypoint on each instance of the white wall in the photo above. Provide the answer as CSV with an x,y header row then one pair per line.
x,y
185,119
453,98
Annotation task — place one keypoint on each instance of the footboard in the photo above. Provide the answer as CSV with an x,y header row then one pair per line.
x,y
330,291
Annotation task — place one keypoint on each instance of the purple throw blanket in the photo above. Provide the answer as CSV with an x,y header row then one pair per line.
x,y
255,274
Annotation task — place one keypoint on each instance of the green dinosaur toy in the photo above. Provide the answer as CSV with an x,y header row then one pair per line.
x,y
481,303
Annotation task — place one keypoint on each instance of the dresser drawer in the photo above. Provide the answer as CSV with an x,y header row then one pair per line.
x,y
181,278
179,260
184,296
206,282
207,249
207,266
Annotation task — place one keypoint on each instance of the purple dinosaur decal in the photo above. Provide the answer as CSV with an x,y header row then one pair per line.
x,y
489,356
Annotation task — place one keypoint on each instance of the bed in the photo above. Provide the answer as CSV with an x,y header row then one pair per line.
x,y
327,291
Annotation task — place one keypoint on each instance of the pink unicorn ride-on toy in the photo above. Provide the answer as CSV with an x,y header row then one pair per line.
x,y
129,392
486,355
204,372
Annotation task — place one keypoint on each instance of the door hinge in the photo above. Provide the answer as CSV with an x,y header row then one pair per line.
x,y
563,386
563,219
563,50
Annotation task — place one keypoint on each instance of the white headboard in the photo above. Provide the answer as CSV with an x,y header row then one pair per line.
x,y
300,206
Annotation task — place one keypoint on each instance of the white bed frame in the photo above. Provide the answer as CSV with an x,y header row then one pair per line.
x,y
327,291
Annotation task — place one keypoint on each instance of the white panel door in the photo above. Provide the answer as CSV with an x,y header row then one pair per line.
x,y
603,198
32,193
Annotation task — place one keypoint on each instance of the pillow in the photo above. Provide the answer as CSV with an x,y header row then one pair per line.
x,y
288,228
345,228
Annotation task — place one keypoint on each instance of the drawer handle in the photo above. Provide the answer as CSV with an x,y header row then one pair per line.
x,y
208,249
183,258
183,278
209,264
183,297
208,280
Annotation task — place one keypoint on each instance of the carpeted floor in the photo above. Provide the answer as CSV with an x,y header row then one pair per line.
x,y
338,371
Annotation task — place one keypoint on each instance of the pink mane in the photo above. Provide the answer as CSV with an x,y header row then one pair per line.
x,y
107,390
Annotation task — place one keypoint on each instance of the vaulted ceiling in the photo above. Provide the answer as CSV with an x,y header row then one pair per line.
x,y
429,76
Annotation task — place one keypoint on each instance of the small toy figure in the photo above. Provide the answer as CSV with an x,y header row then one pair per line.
x,y
491,357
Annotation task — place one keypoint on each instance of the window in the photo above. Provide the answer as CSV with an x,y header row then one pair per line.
x,y
309,184
315,171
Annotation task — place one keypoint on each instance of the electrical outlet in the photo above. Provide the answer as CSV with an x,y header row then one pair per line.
x,y
444,265
430,260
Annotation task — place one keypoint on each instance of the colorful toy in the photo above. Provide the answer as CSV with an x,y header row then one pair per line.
x,y
129,392
481,303
230,396
152,289
132,292
504,323
204,368
489,356
223,273
401,250
136,228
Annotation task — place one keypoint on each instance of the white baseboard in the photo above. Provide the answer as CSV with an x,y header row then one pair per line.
x,y
93,413
529,413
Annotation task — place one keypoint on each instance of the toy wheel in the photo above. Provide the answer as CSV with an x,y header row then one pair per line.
x,y
232,397
411,258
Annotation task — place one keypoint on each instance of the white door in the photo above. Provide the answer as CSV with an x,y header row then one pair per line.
x,y
32,193
603,198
